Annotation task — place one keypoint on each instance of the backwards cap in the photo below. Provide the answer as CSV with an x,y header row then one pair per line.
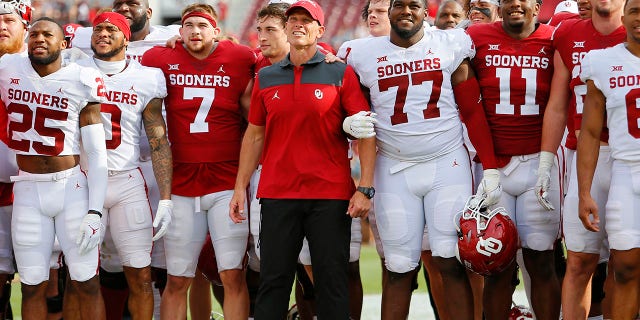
x,y
311,6
567,6
115,19
20,7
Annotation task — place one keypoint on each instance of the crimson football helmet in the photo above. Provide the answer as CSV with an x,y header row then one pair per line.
x,y
22,7
487,240
70,32
520,313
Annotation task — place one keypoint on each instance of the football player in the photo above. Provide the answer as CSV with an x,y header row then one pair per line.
x,y
144,36
206,81
52,109
613,86
514,65
573,39
134,100
14,18
377,19
483,11
414,106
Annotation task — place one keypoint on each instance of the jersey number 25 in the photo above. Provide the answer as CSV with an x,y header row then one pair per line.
x,y
37,121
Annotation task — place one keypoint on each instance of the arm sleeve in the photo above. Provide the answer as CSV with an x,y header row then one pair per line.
x,y
351,97
469,102
93,140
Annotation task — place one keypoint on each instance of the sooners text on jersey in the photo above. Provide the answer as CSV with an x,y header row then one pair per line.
x,y
515,80
411,91
44,112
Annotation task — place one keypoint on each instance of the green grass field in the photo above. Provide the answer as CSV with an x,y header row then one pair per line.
x,y
370,271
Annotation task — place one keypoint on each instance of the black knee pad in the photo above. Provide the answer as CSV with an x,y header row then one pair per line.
x,y
394,276
515,281
6,296
560,259
54,304
414,282
113,280
597,283
159,277
305,282
63,272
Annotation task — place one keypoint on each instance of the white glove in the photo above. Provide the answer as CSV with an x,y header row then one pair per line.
x,y
163,218
89,234
360,125
544,179
489,190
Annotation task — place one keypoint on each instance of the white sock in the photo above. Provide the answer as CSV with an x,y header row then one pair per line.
x,y
600,317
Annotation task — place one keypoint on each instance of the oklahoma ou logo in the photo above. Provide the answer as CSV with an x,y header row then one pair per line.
x,y
318,93
489,246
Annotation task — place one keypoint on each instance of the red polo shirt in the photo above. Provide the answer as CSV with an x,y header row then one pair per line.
x,y
302,109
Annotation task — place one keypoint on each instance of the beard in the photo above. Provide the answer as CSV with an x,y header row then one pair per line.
x,y
406,34
516,25
195,48
109,54
603,12
12,46
139,23
43,61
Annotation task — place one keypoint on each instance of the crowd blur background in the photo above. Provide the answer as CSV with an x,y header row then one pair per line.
x,y
237,17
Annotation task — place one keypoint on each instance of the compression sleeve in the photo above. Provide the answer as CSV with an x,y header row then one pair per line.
x,y
469,100
93,140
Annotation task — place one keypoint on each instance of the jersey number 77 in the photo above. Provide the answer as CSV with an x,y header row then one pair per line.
x,y
403,82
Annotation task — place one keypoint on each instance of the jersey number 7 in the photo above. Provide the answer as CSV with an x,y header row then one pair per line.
x,y
200,124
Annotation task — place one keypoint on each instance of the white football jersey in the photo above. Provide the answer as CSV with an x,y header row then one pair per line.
x,y
44,112
8,165
127,94
345,48
616,72
158,36
411,92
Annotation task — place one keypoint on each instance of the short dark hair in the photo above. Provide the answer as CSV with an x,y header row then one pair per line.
x,y
424,2
276,10
50,20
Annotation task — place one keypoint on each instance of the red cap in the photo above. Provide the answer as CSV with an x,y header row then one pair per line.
x,y
115,19
311,6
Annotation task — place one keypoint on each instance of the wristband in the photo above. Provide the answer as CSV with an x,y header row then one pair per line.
x,y
95,212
